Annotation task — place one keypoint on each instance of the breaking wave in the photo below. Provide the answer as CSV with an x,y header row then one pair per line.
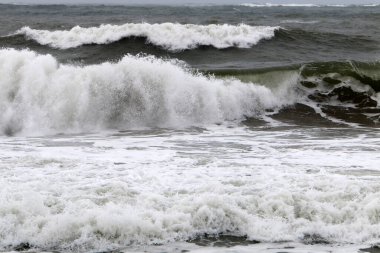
x,y
130,210
173,37
39,95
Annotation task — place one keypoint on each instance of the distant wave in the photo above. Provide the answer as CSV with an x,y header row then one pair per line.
x,y
173,37
306,5
278,5
297,21
370,5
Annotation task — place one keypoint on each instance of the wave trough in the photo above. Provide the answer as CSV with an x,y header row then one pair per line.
x,y
173,37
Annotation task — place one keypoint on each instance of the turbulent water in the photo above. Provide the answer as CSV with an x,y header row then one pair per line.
x,y
242,128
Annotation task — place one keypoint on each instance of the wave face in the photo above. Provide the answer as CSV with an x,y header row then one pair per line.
x,y
173,37
38,95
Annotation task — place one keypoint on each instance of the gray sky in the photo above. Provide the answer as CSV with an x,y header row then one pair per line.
x,y
188,1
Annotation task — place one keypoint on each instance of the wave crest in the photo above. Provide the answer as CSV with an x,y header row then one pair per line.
x,y
173,37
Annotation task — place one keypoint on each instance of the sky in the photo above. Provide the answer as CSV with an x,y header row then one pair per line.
x,y
188,1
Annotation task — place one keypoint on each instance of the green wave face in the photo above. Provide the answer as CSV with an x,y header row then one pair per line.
x,y
368,73
328,93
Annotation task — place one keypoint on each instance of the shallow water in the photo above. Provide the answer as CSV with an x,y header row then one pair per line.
x,y
102,191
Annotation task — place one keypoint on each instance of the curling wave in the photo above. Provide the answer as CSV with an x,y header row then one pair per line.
x,y
37,94
173,37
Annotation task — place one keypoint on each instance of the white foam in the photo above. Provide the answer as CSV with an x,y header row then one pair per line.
x,y
37,94
105,191
167,35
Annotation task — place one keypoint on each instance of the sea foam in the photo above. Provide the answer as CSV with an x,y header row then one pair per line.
x,y
174,37
105,192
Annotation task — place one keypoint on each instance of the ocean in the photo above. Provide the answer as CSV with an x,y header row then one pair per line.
x,y
197,128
